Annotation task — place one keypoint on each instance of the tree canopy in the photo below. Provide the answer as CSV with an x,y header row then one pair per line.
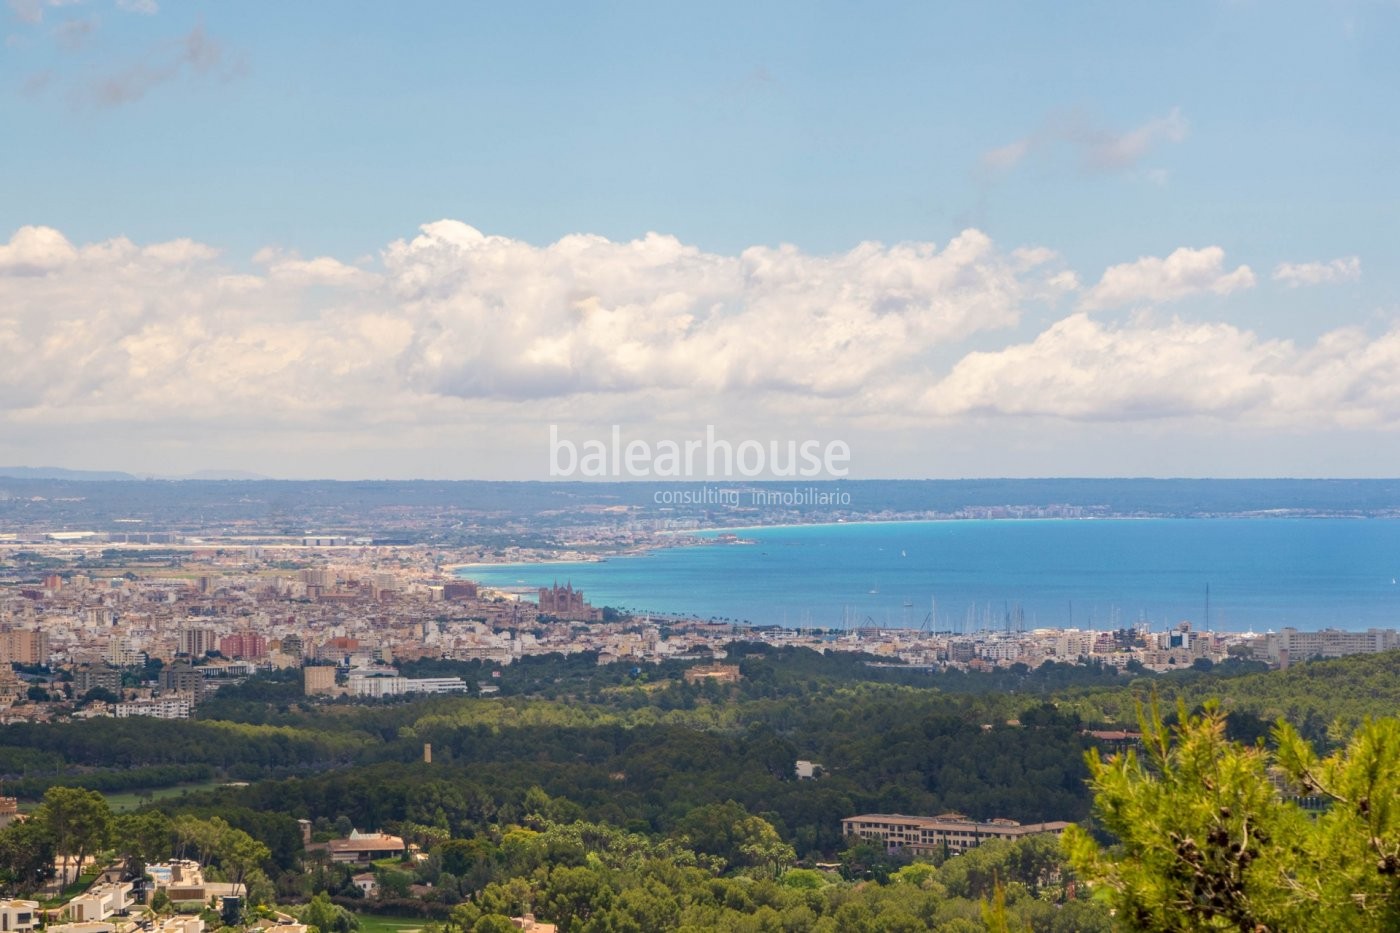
x,y
1214,834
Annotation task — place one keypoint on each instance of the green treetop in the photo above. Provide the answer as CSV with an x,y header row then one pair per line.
x,y
1212,838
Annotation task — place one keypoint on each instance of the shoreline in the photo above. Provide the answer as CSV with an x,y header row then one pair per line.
x,y
453,568
1233,517
705,534
884,588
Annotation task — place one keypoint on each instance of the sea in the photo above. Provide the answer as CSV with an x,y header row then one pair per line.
x,y
1248,574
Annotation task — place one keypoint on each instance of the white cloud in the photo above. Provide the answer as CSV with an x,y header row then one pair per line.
x,y
323,270
35,251
456,332
146,7
499,317
1154,280
1295,274
180,252
1097,149
1082,369
453,317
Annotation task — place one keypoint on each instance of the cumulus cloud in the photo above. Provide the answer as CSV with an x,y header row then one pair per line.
x,y
1295,274
1081,369
145,7
35,251
134,333
322,270
457,329
1096,148
500,317
1154,280
453,316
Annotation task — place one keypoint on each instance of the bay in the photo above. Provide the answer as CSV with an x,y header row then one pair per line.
x,y
963,575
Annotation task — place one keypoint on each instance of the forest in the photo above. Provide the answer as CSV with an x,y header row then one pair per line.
x,y
627,782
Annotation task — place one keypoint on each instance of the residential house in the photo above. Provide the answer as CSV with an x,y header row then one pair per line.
x,y
18,916
100,902
365,847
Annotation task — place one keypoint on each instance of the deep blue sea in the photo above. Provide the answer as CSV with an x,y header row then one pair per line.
x,y
1261,573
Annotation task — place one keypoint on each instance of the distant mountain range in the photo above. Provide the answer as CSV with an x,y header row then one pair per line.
x,y
108,476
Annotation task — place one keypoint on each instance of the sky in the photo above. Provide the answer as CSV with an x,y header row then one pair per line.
x,y
368,240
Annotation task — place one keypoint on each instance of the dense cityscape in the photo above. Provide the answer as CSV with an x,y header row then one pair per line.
x,y
100,615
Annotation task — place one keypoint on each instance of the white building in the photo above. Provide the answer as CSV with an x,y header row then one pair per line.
x,y
18,916
100,902
365,684
1289,644
176,707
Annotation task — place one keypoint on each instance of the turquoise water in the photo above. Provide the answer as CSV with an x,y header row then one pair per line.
x,y
1261,574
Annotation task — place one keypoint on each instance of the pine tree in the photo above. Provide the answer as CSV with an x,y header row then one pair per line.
x,y
1211,836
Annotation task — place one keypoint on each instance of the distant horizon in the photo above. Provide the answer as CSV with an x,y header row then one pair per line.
x,y
217,475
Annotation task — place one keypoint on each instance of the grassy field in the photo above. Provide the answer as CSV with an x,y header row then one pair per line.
x,y
130,800
376,923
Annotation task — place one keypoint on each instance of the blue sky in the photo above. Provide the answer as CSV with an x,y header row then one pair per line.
x,y
1104,133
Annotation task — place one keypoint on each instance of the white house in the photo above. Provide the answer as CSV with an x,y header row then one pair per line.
x,y
100,902
367,883
18,916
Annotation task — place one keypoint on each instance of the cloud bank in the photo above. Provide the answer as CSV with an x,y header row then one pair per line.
x,y
454,327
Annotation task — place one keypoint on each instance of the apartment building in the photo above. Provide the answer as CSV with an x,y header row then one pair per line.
x,y
91,678
318,680
159,708
1289,644
24,646
953,833
197,640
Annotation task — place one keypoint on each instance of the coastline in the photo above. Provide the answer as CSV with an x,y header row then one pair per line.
x,y
949,520
1051,572
704,536
482,565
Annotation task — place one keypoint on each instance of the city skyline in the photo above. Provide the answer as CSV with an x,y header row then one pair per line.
x,y
361,243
